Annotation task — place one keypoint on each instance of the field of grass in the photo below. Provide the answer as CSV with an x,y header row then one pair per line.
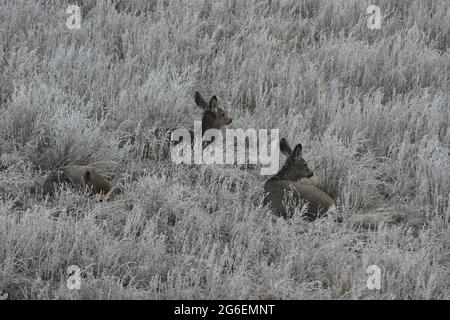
x,y
371,108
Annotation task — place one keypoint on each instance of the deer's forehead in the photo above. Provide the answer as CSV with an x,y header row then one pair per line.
x,y
298,160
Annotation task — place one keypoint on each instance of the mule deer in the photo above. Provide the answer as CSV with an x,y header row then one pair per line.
x,y
288,179
213,117
78,177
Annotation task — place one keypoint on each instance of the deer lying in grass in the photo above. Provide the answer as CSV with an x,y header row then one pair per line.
x,y
213,117
288,179
81,178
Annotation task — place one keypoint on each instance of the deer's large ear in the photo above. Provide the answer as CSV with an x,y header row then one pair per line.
x,y
298,151
285,148
213,103
200,101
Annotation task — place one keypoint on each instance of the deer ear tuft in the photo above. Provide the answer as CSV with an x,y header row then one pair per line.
x,y
285,148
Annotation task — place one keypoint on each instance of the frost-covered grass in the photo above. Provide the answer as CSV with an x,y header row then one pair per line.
x,y
371,108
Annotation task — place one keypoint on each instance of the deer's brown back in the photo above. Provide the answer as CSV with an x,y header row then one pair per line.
x,y
276,191
74,176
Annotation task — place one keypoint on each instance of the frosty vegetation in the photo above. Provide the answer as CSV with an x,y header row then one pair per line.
x,y
371,108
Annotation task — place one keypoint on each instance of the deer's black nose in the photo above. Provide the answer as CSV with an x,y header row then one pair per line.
x,y
229,121
310,175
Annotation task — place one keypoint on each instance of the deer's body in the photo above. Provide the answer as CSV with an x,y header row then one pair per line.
x,y
287,185
319,202
78,177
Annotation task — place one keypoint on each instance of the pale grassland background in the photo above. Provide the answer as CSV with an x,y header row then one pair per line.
x,y
371,108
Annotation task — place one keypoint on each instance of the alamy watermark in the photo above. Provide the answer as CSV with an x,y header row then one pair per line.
x,y
375,19
210,147
74,20
373,277
74,279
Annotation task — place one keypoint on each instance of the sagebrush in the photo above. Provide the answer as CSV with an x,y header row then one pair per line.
x,y
371,108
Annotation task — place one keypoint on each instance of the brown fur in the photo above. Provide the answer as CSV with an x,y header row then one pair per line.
x,y
287,180
78,177
113,194
213,116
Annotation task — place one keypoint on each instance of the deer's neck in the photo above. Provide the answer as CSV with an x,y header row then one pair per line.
x,y
206,126
280,176
208,121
